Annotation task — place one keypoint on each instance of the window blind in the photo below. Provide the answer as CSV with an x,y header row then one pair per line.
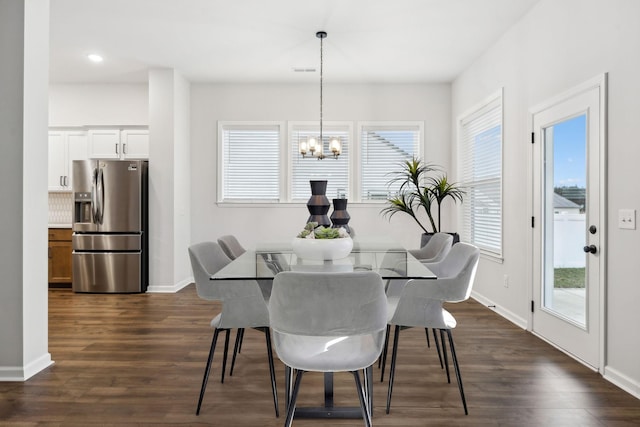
x,y
251,157
481,174
335,171
383,148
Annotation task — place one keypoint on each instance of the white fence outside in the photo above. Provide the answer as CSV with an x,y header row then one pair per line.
x,y
569,237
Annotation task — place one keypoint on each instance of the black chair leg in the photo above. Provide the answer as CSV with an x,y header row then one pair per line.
x,y
236,349
435,338
288,372
272,371
444,353
226,352
363,402
294,397
207,369
426,330
454,358
384,352
369,378
241,340
392,372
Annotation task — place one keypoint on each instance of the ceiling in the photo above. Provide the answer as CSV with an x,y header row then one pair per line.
x,y
369,41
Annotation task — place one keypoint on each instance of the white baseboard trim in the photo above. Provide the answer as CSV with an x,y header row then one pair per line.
x,y
624,382
169,289
23,373
507,314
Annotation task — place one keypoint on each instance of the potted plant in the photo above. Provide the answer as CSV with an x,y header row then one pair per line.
x,y
419,190
322,243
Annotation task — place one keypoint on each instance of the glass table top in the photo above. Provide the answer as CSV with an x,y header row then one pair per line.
x,y
384,256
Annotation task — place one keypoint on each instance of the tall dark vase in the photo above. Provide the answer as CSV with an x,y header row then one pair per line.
x,y
318,203
340,217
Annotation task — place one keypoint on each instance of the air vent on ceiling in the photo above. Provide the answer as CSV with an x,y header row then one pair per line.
x,y
304,70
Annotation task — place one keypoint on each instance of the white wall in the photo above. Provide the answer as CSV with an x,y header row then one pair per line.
x,y
24,28
555,47
98,104
213,102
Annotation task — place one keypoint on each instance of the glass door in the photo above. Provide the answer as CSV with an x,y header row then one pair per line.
x,y
568,220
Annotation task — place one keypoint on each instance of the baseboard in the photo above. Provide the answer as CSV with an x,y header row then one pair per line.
x,y
23,373
507,314
624,382
169,289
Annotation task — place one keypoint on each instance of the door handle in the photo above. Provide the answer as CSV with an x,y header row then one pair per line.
x,y
61,181
590,248
124,148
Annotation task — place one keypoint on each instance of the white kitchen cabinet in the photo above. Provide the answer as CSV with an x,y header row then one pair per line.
x,y
119,144
65,146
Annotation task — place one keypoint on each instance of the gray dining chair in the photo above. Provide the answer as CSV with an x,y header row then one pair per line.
x,y
243,306
436,248
231,246
328,322
421,305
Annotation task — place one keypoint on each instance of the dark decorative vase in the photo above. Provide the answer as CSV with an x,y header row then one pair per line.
x,y
318,203
340,217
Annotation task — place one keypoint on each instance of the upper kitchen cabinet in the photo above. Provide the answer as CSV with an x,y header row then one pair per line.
x,y
119,143
65,146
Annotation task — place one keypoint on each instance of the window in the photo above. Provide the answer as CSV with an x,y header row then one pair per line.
x,y
304,169
258,162
480,143
250,162
381,148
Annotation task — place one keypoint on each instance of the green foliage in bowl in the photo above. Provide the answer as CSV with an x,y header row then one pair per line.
x,y
312,231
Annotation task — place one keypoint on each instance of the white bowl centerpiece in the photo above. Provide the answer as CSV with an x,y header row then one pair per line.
x,y
322,243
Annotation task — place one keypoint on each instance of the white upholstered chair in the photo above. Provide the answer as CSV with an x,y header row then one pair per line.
x,y
243,306
436,248
421,305
328,322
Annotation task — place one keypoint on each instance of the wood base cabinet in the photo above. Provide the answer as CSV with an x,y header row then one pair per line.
x,y
60,249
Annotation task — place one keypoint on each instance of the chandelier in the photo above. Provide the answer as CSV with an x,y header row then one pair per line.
x,y
313,145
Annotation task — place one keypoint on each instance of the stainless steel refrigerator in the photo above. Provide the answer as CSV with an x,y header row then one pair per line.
x,y
110,226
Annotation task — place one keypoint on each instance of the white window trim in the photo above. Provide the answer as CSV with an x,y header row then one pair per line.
x,y
356,166
291,125
220,159
463,118
354,130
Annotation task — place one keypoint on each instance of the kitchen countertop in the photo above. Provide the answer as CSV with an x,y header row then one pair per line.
x,y
59,225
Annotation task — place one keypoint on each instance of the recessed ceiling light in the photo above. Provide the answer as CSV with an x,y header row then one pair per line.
x,y
93,57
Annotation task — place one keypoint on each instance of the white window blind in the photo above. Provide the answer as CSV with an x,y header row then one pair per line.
x,y
480,140
382,149
251,162
335,171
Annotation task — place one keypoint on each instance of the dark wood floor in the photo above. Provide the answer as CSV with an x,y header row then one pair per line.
x,y
139,359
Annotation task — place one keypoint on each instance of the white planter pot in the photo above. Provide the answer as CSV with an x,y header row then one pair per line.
x,y
322,249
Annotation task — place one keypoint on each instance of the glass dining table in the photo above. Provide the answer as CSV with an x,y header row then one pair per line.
x,y
385,256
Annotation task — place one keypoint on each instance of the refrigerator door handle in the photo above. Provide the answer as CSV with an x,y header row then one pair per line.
x,y
94,197
100,195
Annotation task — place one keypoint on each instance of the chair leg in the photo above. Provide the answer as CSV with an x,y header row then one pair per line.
x,y
457,369
226,352
369,378
444,354
272,371
426,330
241,340
363,402
207,369
392,372
435,338
384,352
288,383
294,397
236,349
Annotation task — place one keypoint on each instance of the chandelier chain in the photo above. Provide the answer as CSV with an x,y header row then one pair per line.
x,y
321,65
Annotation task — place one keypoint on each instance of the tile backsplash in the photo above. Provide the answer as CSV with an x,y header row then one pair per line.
x,y
60,208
